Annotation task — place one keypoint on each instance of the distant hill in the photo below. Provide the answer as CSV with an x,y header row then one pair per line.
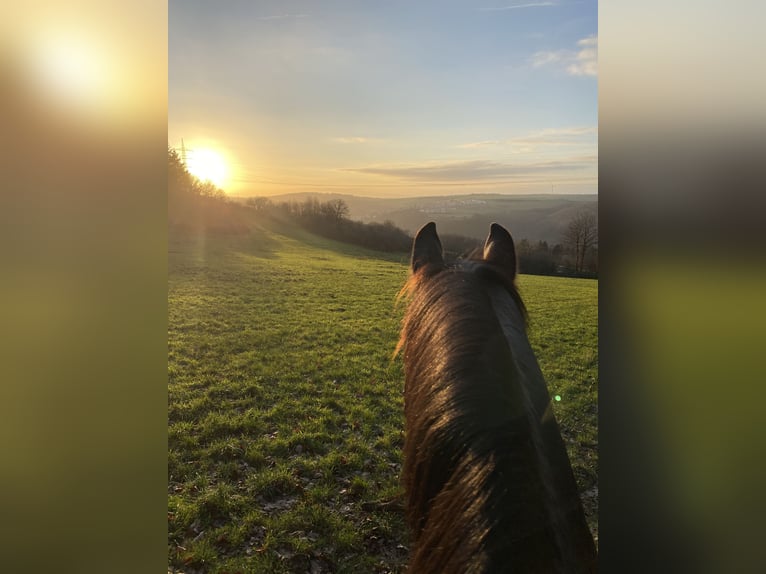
x,y
534,217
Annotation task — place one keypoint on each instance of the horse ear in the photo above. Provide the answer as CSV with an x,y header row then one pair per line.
x,y
499,249
427,248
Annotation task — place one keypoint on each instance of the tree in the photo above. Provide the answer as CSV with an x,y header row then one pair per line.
x,y
580,236
310,208
259,203
180,181
523,248
338,209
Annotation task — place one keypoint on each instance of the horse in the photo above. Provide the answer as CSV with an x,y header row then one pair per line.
x,y
488,486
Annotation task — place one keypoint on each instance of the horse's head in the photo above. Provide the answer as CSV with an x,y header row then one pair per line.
x,y
487,477
492,269
498,252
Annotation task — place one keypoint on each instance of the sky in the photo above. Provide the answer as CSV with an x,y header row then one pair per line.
x,y
387,98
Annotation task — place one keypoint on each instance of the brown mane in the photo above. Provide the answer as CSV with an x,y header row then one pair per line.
x,y
414,280
487,480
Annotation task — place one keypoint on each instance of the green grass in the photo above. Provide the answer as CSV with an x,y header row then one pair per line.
x,y
285,407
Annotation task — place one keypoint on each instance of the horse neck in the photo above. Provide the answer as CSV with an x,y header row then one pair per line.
x,y
513,326
551,454
437,356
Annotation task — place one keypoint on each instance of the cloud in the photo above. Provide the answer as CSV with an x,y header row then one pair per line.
x,y
482,144
542,58
548,135
586,63
282,16
569,136
517,6
355,140
477,170
582,62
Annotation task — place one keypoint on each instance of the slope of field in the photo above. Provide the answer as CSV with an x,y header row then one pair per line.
x,y
285,407
533,217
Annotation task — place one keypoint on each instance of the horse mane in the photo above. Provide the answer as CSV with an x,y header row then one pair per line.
x,y
477,498
472,260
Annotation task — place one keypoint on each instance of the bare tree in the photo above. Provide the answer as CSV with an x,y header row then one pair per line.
x,y
259,203
338,208
580,236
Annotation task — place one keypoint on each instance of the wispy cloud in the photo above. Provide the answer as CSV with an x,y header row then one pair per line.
x,y
547,57
568,136
477,170
356,140
554,134
481,144
582,62
586,63
282,16
517,6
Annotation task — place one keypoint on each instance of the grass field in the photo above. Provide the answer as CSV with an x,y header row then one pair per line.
x,y
285,406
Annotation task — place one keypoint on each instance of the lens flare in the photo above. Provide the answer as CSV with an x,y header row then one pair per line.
x,y
207,165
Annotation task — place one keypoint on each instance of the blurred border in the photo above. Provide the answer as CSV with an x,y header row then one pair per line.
x,y
83,400
83,88
682,204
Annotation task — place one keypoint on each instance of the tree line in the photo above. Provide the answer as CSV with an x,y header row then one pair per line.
x,y
197,205
330,219
576,254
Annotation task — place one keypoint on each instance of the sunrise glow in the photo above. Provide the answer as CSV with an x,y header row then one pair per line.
x,y
331,100
208,165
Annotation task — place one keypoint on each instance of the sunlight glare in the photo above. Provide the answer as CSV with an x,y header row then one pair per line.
x,y
71,69
207,165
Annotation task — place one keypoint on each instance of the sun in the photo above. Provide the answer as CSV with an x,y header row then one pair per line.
x,y
207,165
